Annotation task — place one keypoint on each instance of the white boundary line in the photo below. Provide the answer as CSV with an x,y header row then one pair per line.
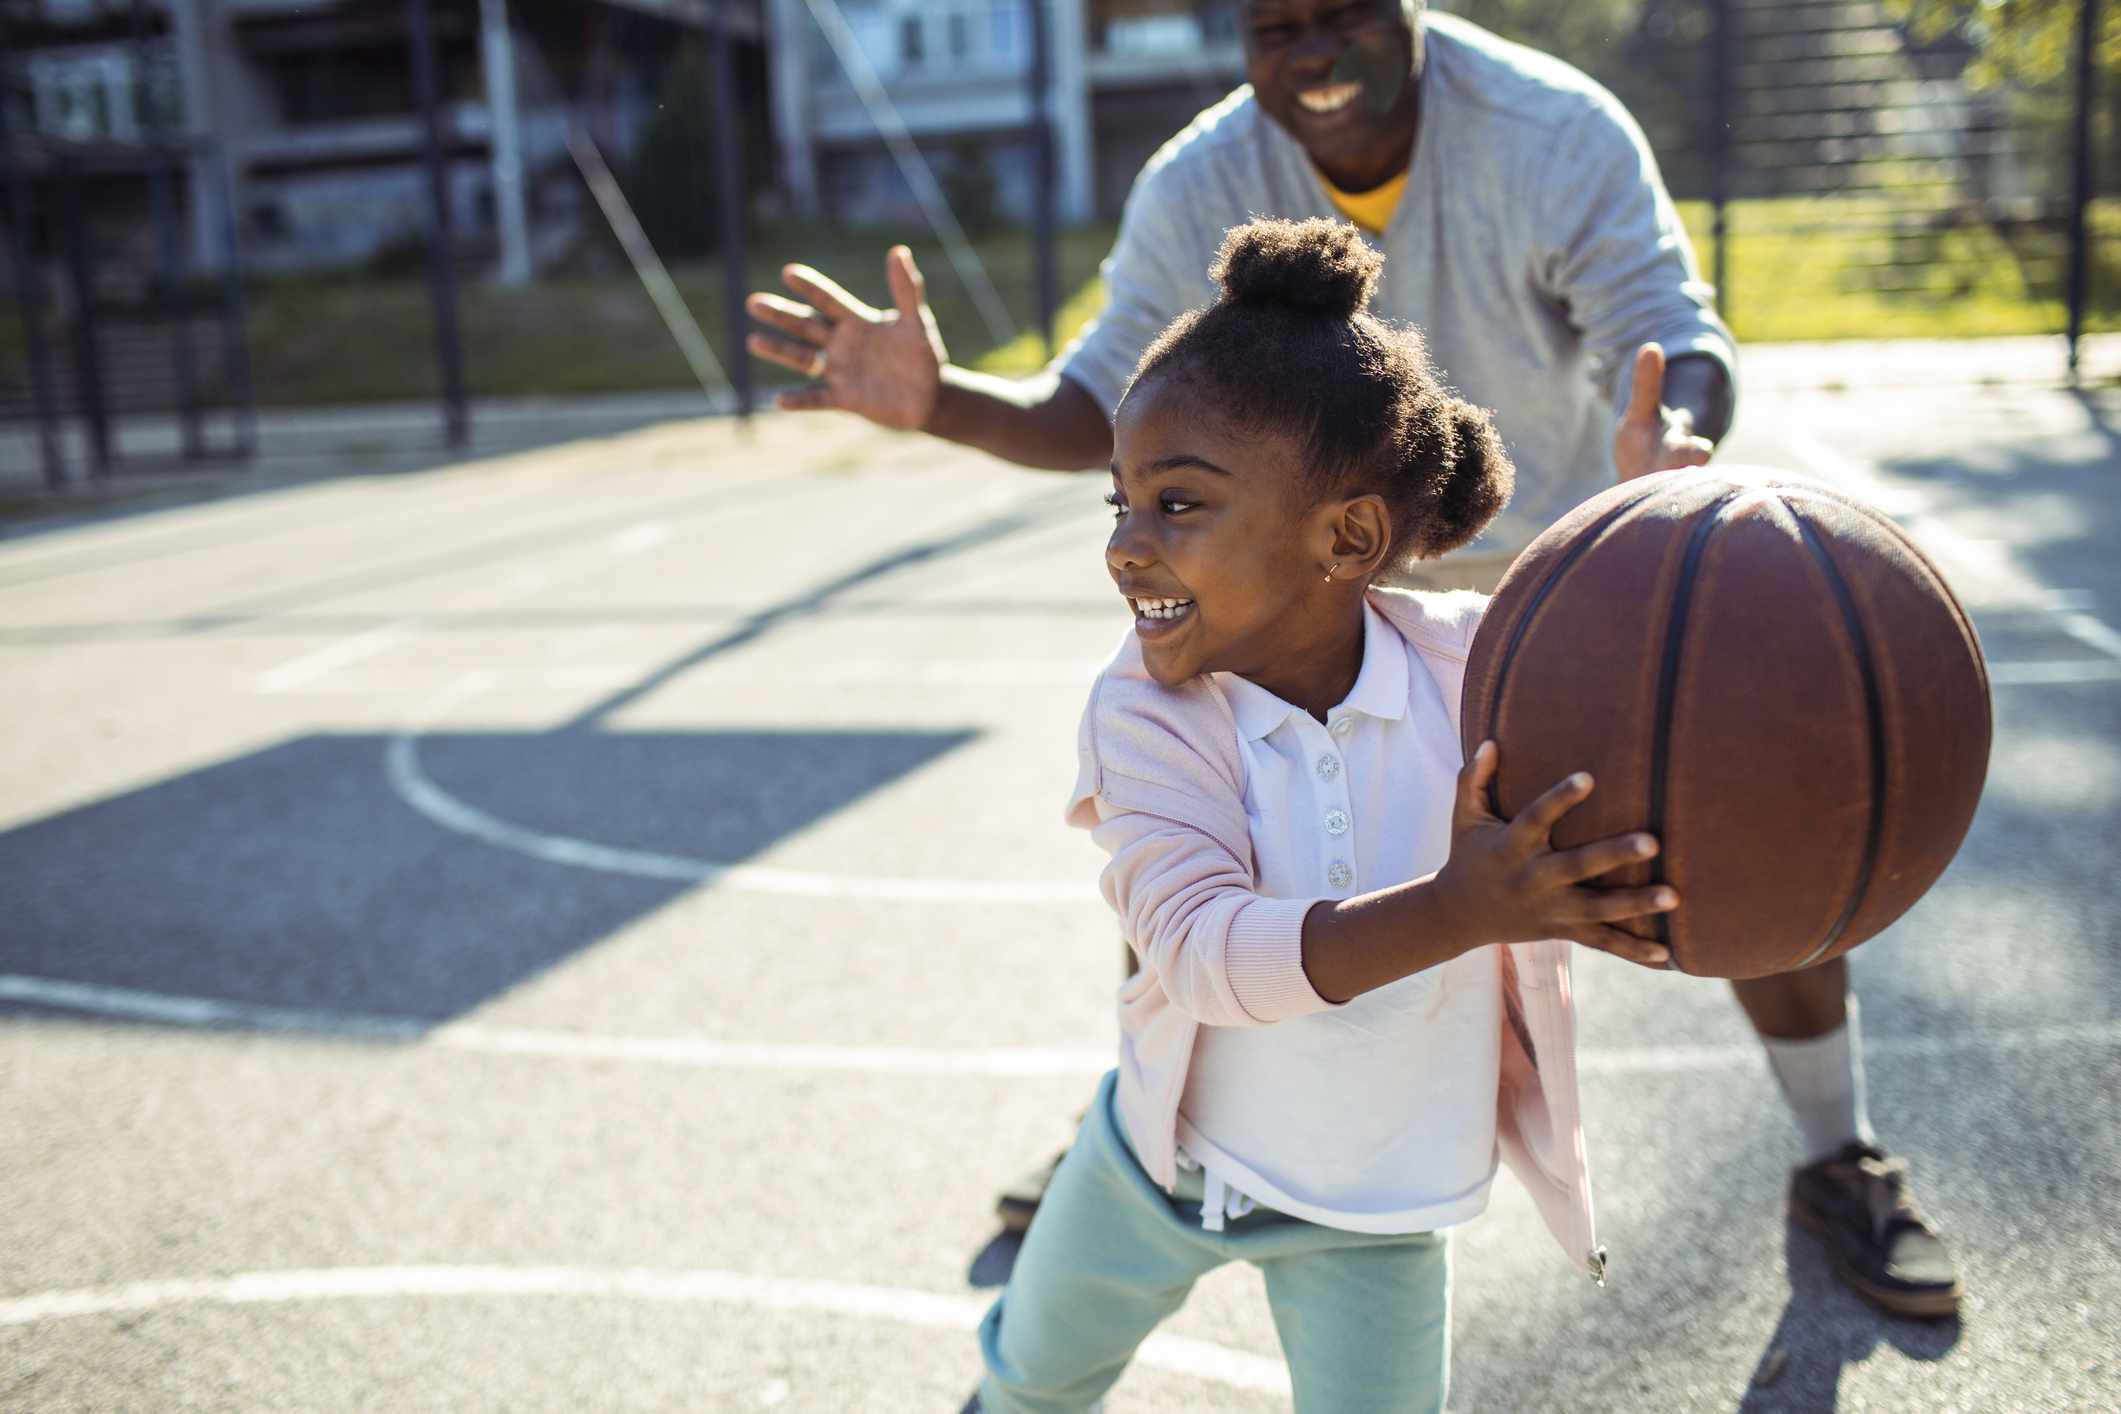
x,y
1003,1061
416,789
1198,1358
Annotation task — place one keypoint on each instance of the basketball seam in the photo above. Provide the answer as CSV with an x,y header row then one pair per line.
x,y
1874,711
1531,611
1667,690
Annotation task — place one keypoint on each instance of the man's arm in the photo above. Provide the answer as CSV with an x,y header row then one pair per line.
x,y
1045,421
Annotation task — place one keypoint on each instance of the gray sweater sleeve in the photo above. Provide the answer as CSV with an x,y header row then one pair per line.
x,y
1612,250
1155,272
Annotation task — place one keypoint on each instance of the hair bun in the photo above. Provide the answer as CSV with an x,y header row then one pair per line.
x,y
1321,266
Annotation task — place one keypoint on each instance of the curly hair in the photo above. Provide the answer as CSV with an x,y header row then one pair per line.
x,y
1291,346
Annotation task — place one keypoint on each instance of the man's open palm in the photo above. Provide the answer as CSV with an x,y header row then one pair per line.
x,y
883,364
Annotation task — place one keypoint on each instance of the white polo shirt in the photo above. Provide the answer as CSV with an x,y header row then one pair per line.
x,y
1377,1116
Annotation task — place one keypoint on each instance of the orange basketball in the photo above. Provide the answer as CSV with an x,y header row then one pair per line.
x,y
1765,673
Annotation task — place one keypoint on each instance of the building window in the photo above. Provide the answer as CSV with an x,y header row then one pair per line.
x,y
911,42
960,27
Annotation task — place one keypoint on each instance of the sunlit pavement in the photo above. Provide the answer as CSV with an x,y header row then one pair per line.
x,y
591,929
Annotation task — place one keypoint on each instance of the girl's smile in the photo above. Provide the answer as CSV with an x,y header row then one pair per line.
x,y
1219,555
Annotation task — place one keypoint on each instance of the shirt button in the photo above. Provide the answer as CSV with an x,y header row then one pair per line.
x,y
1336,822
1340,875
1328,767
1343,726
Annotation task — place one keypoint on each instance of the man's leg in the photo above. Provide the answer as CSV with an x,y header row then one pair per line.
x,y
1848,1190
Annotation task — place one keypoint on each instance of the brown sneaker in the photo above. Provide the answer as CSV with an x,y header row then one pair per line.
x,y
1857,1201
1019,1202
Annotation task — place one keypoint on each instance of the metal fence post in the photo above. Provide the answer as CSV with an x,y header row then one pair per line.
x,y
441,269
1724,67
1041,130
2081,195
29,289
729,181
88,356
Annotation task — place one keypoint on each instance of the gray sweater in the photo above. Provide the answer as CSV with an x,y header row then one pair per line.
x,y
1535,247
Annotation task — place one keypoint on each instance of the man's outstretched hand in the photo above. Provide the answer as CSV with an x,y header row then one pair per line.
x,y
1653,437
882,364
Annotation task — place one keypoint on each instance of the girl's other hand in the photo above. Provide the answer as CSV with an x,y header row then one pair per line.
x,y
1508,884
882,364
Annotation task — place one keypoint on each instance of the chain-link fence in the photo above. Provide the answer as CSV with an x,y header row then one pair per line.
x,y
1873,167
1849,168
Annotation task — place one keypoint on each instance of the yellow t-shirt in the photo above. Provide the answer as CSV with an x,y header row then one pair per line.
x,y
1372,210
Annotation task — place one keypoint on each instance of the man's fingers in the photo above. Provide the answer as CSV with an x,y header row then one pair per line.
x,y
788,353
789,317
1646,393
1573,866
831,299
1536,822
811,397
1695,451
908,289
1623,945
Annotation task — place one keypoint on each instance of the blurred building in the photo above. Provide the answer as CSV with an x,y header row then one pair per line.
x,y
302,120
1125,76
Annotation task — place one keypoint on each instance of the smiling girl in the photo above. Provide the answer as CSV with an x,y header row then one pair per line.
x,y
1353,991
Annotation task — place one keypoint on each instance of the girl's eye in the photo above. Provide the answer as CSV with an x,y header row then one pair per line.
x,y
1174,505
1119,507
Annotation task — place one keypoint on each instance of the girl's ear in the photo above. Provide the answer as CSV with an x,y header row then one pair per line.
x,y
1360,532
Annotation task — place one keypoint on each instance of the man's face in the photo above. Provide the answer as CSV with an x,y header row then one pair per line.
x,y
1339,76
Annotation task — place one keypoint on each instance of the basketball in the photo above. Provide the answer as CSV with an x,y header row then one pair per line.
x,y
1763,672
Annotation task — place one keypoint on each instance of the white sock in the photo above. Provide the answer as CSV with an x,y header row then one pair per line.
x,y
1822,1078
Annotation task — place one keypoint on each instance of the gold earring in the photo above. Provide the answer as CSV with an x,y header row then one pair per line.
x,y
1329,573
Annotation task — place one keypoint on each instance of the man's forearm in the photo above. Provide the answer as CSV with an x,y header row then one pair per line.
x,y
1699,385
1045,421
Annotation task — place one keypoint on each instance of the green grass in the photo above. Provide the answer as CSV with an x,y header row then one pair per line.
x,y
1798,270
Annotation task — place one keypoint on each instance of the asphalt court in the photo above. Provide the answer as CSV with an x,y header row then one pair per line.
x,y
591,929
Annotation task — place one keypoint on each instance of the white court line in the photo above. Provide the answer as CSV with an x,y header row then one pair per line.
x,y
416,789
300,672
1198,1358
696,1053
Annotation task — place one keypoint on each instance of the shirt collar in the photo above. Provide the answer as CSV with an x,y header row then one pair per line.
x,y
1380,685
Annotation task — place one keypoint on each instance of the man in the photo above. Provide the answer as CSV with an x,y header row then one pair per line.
x,y
1528,233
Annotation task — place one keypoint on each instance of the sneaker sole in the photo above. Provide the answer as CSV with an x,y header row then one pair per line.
x,y
1932,1303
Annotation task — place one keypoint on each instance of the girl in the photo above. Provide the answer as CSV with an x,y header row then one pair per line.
x,y
1324,1051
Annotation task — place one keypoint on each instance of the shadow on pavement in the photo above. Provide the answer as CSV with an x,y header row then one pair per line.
x,y
991,1268
1823,1328
297,877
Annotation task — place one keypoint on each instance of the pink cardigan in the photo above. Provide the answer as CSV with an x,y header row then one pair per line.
x,y
1215,953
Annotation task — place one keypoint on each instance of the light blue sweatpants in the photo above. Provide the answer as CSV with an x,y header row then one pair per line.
x,y
1365,1321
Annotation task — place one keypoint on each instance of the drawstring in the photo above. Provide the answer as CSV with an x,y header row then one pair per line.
x,y
1220,1200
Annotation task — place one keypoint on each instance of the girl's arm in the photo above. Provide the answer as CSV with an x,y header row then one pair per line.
x,y
1504,883
1224,954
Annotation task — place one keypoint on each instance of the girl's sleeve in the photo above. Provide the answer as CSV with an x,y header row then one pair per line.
x,y
1226,955
1169,811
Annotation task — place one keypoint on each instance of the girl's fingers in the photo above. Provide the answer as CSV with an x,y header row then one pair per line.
x,y
788,353
1535,824
789,317
1473,780
1573,866
1612,905
827,294
1625,946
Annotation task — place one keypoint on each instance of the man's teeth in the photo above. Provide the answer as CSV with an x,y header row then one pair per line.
x,y
1328,100
1161,608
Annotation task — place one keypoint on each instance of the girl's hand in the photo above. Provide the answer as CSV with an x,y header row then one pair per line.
x,y
882,364
1508,884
